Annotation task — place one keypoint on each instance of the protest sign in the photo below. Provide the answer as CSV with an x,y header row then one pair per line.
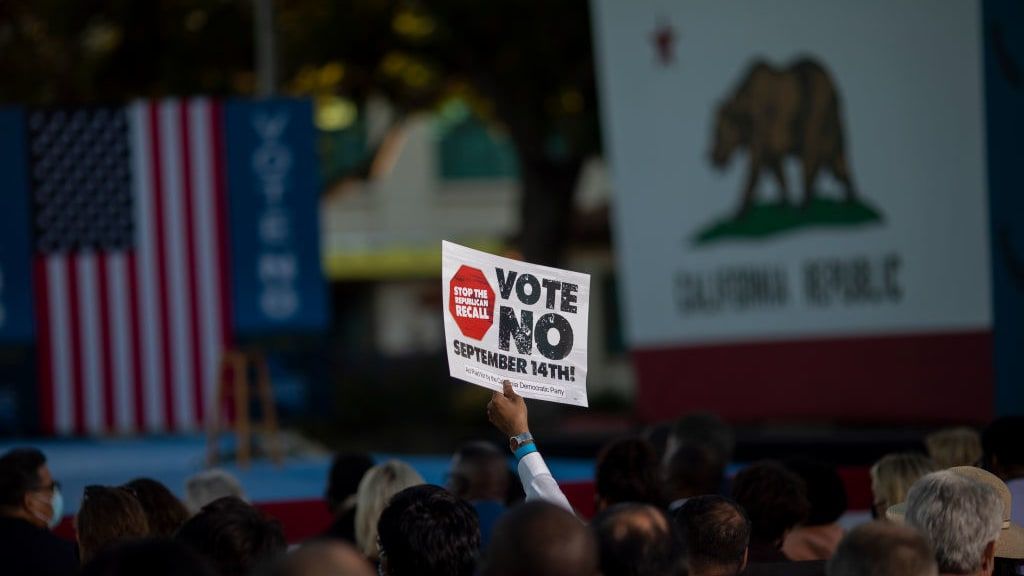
x,y
509,320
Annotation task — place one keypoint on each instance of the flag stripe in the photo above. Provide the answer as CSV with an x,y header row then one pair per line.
x,y
59,307
120,394
195,344
163,297
90,344
135,338
75,331
108,395
147,307
45,350
176,244
174,255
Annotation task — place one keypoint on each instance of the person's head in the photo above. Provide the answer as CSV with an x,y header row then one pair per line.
x,y
479,471
892,477
207,486
702,428
960,518
164,512
774,498
108,516
376,488
693,470
1010,544
233,536
27,490
323,558
152,557
825,490
1002,447
637,540
540,539
426,530
949,447
883,549
715,532
347,469
627,471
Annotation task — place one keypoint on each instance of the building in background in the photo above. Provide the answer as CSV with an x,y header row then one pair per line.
x,y
448,176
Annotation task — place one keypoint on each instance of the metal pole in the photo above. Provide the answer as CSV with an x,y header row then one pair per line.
x,y
266,52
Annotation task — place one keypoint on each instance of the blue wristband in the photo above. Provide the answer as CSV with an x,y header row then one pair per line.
x,y
524,450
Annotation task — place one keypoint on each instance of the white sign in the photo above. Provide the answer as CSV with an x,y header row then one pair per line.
x,y
508,320
796,169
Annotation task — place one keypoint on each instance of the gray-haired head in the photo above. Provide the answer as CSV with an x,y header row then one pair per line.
x,y
209,485
959,517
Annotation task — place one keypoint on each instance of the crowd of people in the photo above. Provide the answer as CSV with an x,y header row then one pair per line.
x,y
953,511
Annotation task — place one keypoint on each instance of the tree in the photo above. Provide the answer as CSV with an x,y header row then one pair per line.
x,y
526,66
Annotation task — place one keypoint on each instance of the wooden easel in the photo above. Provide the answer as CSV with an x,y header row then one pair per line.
x,y
236,364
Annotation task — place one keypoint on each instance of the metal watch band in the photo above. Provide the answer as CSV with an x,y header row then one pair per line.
x,y
515,442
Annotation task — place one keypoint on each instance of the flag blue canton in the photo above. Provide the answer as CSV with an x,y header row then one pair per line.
x,y
81,180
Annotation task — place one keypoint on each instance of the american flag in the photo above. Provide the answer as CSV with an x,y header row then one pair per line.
x,y
131,287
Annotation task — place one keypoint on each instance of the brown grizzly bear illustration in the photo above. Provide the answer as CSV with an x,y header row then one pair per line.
x,y
777,112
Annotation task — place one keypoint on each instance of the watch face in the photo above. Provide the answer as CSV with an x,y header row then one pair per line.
x,y
517,442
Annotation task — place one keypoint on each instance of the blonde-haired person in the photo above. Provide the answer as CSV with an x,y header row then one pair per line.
x,y
892,477
376,488
949,447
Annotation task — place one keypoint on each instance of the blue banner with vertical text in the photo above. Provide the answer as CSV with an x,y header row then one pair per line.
x,y
273,187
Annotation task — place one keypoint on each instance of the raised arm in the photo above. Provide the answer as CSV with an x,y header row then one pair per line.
x,y
507,411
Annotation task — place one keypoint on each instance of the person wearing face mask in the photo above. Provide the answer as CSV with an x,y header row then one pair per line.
x,y
30,506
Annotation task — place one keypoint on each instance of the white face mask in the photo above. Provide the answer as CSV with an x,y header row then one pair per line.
x,y
56,503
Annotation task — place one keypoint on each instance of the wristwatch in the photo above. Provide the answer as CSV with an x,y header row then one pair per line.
x,y
519,440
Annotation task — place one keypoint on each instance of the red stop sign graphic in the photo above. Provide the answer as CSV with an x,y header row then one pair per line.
x,y
471,302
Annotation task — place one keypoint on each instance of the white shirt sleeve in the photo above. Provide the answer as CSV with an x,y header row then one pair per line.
x,y
539,484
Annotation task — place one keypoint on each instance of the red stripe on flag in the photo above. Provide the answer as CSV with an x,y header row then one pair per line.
x,y
45,348
75,328
192,268
135,338
221,219
161,262
107,343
